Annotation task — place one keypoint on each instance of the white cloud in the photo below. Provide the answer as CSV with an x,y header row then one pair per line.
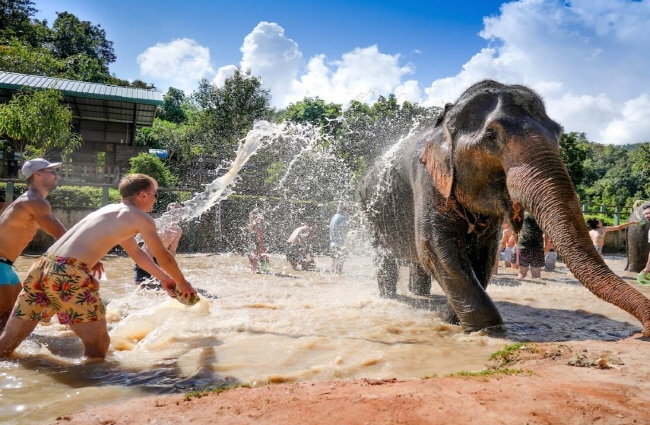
x,y
272,57
588,59
632,123
223,73
180,63
362,74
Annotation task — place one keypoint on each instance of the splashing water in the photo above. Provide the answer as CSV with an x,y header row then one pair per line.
x,y
219,189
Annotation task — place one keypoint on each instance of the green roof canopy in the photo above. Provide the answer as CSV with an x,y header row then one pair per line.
x,y
94,101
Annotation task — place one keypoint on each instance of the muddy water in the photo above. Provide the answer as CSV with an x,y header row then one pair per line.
x,y
283,327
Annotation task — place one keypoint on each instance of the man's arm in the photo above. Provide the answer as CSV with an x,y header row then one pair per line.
x,y
165,258
42,212
143,259
620,226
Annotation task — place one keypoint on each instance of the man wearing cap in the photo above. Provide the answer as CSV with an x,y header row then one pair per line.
x,y
19,223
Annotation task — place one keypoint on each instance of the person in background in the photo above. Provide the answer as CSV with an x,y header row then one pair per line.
x,y
550,256
646,215
508,246
338,234
170,236
257,257
19,223
530,248
300,253
62,283
597,231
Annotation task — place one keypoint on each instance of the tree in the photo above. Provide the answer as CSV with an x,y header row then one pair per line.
x,y
573,153
71,37
15,18
174,106
226,113
16,56
35,122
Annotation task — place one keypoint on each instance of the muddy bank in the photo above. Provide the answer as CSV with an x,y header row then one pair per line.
x,y
584,382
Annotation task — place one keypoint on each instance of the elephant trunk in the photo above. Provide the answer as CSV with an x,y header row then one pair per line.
x,y
543,187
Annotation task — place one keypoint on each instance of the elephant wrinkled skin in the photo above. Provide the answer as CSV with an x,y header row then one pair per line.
x,y
438,198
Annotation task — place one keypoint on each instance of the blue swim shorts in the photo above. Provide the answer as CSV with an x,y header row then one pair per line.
x,y
8,275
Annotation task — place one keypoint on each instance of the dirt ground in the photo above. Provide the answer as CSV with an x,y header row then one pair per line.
x,y
585,382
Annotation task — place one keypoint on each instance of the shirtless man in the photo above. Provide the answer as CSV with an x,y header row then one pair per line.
x,y
61,281
19,223
597,232
509,246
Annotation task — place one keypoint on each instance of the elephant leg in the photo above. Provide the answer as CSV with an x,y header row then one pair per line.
x,y
482,250
419,280
443,250
387,275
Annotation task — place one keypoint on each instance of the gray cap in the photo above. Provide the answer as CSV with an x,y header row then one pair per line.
x,y
37,164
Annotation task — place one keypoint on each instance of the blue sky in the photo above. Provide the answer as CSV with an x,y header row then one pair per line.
x,y
589,59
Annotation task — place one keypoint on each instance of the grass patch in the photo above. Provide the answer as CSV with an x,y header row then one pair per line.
x,y
484,373
198,394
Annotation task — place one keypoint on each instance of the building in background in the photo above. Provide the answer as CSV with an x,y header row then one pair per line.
x,y
105,116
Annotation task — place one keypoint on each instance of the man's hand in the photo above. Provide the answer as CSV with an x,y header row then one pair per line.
x,y
169,285
185,289
97,270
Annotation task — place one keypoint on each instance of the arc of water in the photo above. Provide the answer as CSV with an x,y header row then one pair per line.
x,y
218,190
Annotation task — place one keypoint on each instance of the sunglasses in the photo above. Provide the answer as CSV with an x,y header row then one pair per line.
x,y
55,172
155,194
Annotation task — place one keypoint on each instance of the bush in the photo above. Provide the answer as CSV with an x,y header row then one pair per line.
x,y
153,166
81,196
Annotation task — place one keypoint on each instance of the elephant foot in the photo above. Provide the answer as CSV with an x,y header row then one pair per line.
x,y
387,277
451,317
497,330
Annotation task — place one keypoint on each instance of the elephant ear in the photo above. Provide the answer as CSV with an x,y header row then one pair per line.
x,y
438,155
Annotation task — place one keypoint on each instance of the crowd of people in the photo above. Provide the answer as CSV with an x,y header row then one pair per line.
x,y
63,282
300,243
532,250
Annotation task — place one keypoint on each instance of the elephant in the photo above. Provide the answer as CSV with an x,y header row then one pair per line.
x,y
437,199
637,243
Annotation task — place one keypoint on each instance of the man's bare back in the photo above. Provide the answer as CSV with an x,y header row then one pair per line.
x,y
101,230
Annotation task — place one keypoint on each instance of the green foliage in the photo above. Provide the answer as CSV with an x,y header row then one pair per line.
x,y
610,177
35,122
573,153
71,36
68,196
226,113
174,106
81,196
315,111
153,166
15,18
17,56
485,373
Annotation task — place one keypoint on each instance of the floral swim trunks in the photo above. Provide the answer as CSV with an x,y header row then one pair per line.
x,y
61,286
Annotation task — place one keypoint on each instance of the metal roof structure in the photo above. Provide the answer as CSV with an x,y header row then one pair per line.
x,y
91,101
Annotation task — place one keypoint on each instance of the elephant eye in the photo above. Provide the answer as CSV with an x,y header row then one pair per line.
x,y
491,136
